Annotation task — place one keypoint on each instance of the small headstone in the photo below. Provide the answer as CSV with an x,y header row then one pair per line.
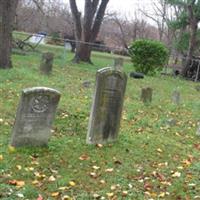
x,y
197,87
146,95
198,129
118,63
46,64
176,97
107,106
34,117
137,75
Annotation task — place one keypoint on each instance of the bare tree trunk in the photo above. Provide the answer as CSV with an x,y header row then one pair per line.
x,y
7,15
87,29
192,41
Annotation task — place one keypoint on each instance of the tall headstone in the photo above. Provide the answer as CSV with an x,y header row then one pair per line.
x,y
146,95
34,117
46,64
176,98
107,106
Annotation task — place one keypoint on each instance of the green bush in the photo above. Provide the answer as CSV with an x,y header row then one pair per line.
x,y
148,56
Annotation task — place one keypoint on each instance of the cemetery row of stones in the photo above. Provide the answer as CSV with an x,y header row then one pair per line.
x,y
37,108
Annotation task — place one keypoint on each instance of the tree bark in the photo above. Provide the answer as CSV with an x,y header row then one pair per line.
x,y
7,15
193,23
87,29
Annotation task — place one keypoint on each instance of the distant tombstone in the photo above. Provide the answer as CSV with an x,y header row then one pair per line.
x,y
146,95
107,106
176,97
198,129
118,63
34,117
46,64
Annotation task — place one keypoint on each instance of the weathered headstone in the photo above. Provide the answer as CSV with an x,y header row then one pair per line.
x,y
107,106
146,95
34,117
198,129
176,97
46,64
118,63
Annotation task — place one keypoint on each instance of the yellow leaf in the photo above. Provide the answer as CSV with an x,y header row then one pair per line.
x,y
1,157
55,194
72,183
124,193
11,149
176,174
110,194
52,179
159,150
96,167
66,197
109,170
161,195
35,182
19,167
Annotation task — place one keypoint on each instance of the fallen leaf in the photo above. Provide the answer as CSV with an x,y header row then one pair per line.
x,y
110,194
16,183
95,167
161,195
159,150
124,193
19,167
66,197
52,179
40,197
55,194
99,145
11,149
20,195
109,170
1,157
84,157
93,175
72,183
96,196
176,174
35,182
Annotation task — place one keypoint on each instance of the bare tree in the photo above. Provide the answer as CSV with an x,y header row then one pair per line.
x,y
87,28
7,15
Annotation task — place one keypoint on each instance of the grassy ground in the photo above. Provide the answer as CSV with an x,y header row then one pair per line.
x,y
150,160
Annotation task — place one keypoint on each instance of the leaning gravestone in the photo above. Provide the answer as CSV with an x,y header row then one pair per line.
x,y
146,95
46,64
34,117
107,106
176,97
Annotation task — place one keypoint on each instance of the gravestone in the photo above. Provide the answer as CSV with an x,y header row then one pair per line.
x,y
46,64
176,97
198,129
118,63
34,117
146,95
107,106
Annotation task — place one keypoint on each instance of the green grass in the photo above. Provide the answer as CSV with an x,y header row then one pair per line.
x,y
144,159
